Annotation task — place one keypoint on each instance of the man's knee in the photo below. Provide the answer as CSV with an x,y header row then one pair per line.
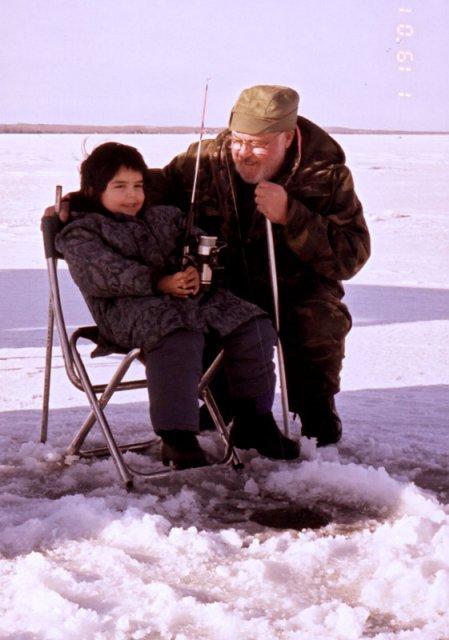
x,y
317,321
314,346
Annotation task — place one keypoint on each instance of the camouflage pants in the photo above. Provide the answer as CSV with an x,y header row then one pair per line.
x,y
313,335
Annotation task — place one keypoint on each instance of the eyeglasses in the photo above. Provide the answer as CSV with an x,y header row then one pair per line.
x,y
256,146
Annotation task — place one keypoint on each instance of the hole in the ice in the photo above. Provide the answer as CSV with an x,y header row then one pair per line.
x,y
298,518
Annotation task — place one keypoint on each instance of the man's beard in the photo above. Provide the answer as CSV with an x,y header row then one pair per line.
x,y
255,173
252,174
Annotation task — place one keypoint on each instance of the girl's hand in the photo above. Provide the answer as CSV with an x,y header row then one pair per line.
x,y
181,284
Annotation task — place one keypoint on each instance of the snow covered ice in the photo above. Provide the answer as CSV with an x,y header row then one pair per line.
x,y
349,542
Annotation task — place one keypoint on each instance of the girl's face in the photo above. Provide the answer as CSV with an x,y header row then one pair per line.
x,y
124,193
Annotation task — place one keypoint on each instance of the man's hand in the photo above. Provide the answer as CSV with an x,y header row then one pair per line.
x,y
272,201
181,284
64,212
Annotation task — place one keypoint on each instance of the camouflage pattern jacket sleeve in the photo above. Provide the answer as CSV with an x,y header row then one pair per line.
x,y
326,228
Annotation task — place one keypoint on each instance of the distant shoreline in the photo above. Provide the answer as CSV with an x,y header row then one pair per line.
x,y
140,129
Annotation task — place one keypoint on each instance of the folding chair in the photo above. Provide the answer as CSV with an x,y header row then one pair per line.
x,y
98,395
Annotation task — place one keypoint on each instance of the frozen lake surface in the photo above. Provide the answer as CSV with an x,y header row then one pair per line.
x,y
348,542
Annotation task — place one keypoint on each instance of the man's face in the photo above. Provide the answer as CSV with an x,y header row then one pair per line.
x,y
259,157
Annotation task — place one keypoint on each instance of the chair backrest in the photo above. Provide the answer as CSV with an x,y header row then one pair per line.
x,y
51,225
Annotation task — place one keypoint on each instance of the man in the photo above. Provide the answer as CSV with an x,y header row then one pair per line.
x,y
271,162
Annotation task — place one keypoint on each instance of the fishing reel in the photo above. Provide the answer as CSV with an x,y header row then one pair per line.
x,y
205,257
208,251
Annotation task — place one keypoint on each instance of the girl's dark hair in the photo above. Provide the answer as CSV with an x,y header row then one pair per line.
x,y
103,164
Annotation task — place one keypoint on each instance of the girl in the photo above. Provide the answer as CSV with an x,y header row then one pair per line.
x,y
124,256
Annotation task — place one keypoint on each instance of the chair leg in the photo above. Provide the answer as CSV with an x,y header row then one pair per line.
x,y
97,414
116,454
47,373
78,440
230,456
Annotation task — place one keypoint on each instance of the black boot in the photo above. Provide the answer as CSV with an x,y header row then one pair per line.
x,y
262,433
320,420
181,450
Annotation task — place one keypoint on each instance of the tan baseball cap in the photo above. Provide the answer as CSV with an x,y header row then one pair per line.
x,y
265,108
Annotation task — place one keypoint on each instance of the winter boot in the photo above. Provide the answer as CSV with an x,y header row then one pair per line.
x,y
320,420
261,432
181,450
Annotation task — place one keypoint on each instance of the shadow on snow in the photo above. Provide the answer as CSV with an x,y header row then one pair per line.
x,y
24,305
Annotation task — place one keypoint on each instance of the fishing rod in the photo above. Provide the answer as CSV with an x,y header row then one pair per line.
x,y
204,253
191,214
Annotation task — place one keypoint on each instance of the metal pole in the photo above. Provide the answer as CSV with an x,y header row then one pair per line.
x,y
49,347
279,351
47,374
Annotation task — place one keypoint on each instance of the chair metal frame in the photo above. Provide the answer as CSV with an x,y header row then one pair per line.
x,y
98,395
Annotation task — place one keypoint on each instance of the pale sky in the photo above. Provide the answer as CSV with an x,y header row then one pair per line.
x,y
146,61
